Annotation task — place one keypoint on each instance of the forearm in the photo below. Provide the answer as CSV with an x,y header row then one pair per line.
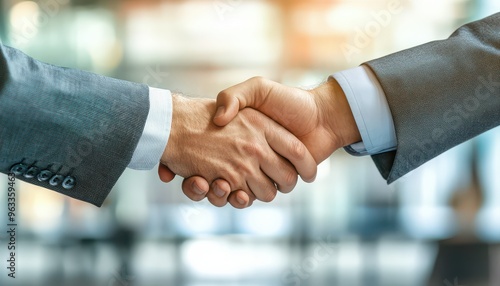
x,y
68,122
441,94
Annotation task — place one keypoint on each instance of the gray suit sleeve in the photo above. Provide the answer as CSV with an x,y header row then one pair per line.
x,y
440,94
70,131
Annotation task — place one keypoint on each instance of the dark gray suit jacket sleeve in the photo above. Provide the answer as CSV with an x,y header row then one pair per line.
x,y
440,94
67,130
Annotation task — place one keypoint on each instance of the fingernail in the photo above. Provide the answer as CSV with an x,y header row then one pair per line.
x,y
220,111
218,192
197,190
240,200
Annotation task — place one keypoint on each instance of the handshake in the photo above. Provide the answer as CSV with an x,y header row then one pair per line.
x,y
255,140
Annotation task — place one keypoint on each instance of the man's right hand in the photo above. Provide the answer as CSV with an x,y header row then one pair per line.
x,y
321,118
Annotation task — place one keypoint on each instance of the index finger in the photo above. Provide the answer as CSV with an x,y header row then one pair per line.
x,y
287,145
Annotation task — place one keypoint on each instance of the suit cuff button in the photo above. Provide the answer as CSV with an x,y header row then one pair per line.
x,y
69,182
31,173
56,180
18,169
44,175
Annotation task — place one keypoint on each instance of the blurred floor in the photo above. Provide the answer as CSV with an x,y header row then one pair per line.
x,y
231,260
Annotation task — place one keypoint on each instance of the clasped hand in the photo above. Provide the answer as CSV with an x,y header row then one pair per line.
x,y
231,153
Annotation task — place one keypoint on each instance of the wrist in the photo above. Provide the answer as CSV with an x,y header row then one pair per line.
x,y
191,119
172,147
336,114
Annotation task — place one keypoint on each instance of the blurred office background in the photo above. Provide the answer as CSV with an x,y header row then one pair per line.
x,y
436,226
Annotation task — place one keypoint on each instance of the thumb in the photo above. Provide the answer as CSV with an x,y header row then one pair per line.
x,y
285,105
250,93
165,174
228,106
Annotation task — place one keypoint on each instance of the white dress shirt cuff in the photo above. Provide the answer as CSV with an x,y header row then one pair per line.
x,y
155,135
370,109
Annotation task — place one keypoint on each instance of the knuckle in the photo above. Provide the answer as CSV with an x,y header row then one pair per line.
x,y
268,196
253,148
258,79
297,150
290,179
223,94
234,178
261,82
